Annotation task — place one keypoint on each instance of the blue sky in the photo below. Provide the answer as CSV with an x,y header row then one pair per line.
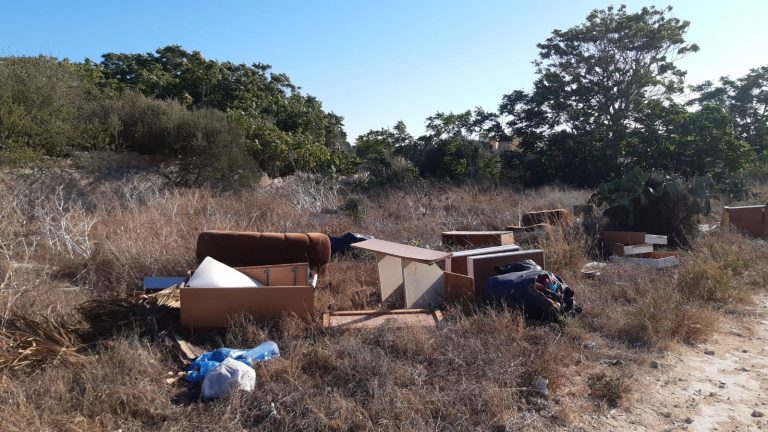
x,y
373,62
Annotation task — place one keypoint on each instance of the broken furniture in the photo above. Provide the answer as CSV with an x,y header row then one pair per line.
x,y
408,275
482,267
286,289
637,248
752,220
458,261
344,320
538,224
477,238
242,249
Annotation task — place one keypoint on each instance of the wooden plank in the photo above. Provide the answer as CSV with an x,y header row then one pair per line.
x,y
213,307
655,239
458,261
653,259
412,253
552,217
459,286
348,320
390,270
624,237
482,267
477,238
424,284
278,274
752,220
189,350
619,249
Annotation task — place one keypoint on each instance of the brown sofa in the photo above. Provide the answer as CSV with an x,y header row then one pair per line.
x,y
243,249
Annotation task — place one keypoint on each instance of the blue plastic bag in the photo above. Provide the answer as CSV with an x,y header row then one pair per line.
x,y
209,360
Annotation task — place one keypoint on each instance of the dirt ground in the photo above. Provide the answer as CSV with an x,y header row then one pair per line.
x,y
721,385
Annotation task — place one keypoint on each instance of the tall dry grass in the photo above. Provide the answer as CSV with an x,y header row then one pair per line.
x,y
477,372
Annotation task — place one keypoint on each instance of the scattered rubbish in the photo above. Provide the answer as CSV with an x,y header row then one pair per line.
x,y
482,267
593,269
525,285
637,248
243,249
709,352
478,238
551,217
189,350
228,377
157,283
343,244
213,274
458,261
707,227
343,320
325,217
285,289
753,220
540,383
196,371
652,259
756,413
408,275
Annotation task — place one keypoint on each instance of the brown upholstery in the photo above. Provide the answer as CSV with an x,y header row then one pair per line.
x,y
243,249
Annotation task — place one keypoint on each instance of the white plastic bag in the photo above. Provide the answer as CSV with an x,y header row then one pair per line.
x,y
230,376
213,274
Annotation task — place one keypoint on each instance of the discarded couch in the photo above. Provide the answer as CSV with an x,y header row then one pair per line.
x,y
245,249
526,286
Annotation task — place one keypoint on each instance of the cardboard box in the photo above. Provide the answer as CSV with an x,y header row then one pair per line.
x,y
287,291
478,238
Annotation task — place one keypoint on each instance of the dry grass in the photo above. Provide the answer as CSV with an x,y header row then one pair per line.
x,y
476,372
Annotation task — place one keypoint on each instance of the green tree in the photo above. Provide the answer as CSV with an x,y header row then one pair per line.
x,y
746,99
594,82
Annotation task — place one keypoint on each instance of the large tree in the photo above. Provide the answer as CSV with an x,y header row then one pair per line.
x,y
746,99
594,83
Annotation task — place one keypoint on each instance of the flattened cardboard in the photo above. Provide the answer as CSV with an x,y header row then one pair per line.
x,y
482,267
458,261
478,238
347,320
413,253
214,307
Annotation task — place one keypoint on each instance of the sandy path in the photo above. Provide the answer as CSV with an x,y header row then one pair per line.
x,y
721,385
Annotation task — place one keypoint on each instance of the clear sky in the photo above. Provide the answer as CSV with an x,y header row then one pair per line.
x,y
373,62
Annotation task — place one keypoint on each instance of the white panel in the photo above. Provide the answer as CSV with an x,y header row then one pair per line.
x,y
424,284
390,278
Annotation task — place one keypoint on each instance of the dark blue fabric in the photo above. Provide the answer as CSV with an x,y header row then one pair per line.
x,y
344,243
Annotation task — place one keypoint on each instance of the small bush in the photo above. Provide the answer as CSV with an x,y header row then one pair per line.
x,y
610,389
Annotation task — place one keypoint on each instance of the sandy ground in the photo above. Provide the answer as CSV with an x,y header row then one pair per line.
x,y
721,385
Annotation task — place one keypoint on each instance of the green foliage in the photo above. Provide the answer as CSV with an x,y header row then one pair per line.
x,y
594,82
208,148
48,107
655,203
381,152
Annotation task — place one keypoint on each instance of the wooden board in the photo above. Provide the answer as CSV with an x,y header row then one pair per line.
x,y
345,320
552,217
752,220
390,270
412,253
624,237
477,238
213,307
624,250
655,239
279,274
458,261
424,284
653,259
481,267
459,286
